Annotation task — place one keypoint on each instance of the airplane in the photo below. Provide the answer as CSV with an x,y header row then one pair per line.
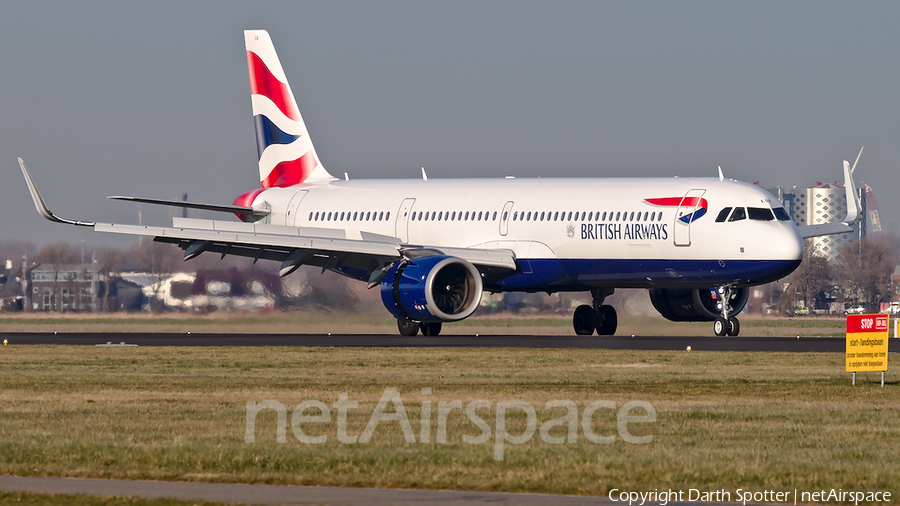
x,y
433,247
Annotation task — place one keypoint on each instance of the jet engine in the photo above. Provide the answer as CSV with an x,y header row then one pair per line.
x,y
432,289
693,305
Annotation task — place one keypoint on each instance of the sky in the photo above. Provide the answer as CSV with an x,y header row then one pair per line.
x,y
151,99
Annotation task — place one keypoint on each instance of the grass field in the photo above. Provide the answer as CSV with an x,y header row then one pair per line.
x,y
761,421
381,323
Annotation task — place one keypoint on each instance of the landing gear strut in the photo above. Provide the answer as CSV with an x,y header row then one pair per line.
x,y
598,316
725,325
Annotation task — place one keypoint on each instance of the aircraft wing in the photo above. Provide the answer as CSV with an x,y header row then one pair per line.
x,y
841,227
364,258
807,231
295,246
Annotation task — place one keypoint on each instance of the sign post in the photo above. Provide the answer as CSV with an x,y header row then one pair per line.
x,y
867,344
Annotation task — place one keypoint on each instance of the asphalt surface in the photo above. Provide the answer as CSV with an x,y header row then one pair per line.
x,y
278,494
697,343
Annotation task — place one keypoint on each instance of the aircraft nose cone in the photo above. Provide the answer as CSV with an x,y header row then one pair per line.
x,y
796,247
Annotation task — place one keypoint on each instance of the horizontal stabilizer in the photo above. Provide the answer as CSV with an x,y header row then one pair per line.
x,y
194,205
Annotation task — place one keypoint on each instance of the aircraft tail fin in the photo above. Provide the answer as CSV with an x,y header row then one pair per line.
x,y
286,154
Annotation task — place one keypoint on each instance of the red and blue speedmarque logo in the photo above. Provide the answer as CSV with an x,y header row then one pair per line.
x,y
698,204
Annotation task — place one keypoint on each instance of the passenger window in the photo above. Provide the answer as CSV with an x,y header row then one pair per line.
x,y
760,214
781,214
738,214
495,216
528,218
632,216
591,216
645,215
542,215
368,215
480,213
381,216
723,214
618,214
387,216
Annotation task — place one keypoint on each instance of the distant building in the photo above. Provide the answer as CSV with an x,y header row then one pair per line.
x,y
73,287
827,203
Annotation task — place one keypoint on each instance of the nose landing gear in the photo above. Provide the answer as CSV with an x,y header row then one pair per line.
x,y
725,325
599,317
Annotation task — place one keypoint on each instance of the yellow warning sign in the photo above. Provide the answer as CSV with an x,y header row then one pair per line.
x,y
867,342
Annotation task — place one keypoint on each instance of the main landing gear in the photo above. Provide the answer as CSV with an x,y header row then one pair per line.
x,y
410,328
598,316
725,325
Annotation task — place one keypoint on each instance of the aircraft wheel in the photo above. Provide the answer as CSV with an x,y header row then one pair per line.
x,y
734,327
608,321
721,326
430,329
584,320
407,328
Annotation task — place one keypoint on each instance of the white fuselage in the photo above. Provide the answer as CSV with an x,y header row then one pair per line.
x,y
596,231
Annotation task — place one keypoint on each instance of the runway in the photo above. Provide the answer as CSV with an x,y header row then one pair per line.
x,y
697,343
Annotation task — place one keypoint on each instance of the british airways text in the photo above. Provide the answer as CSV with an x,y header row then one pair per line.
x,y
619,231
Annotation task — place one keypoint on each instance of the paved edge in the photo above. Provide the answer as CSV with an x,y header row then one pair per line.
x,y
276,494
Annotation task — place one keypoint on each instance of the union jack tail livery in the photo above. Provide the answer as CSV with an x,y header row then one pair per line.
x,y
286,154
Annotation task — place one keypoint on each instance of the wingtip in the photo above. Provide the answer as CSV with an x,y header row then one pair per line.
x,y
39,204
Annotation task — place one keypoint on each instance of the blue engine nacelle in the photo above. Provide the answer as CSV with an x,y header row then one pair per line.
x,y
432,289
693,305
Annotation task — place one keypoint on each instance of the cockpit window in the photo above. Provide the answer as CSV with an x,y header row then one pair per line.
x,y
760,213
723,214
781,214
738,214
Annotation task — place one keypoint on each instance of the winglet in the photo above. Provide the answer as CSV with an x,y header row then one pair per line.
x,y
41,206
852,203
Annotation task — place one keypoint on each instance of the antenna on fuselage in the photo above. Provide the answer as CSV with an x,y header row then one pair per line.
x,y
424,175
721,176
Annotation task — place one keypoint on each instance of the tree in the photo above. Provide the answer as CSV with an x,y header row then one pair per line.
x,y
865,269
813,277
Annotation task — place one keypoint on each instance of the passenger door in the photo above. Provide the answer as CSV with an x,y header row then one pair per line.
x,y
505,216
687,213
401,228
293,209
